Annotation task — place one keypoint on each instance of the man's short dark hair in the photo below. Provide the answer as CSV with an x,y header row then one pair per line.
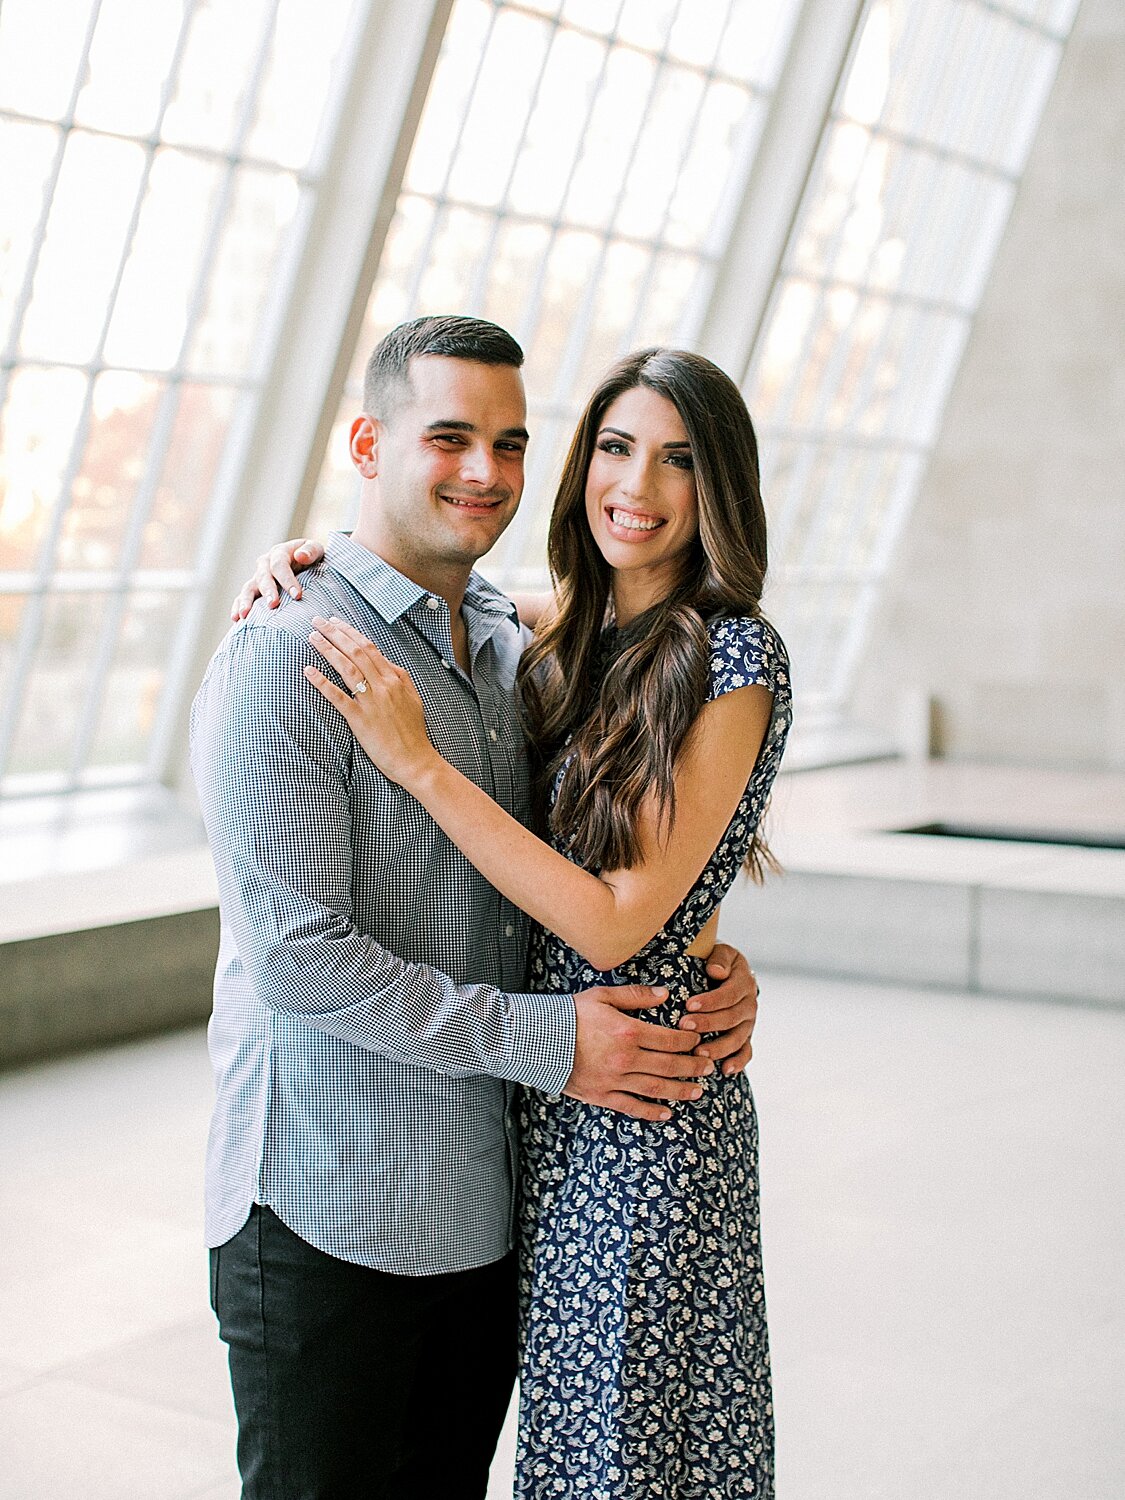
x,y
387,377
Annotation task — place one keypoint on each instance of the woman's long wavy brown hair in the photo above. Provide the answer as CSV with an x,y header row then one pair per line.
x,y
617,743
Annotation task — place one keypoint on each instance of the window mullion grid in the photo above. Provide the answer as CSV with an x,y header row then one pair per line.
x,y
216,518
1029,23
710,73
500,213
31,625
828,255
529,318
533,306
876,442
213,155
826,504
157,444
441,197
580,326
851,646
629,335
64,126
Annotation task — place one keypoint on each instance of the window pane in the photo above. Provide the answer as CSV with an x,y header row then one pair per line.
x,y
337,490
130,56
298,80
36,434
12,608
55,694
217,72
151,312
244,276
41,44
123,411
187,478
490,138
134,683
27,153
558,123
90,214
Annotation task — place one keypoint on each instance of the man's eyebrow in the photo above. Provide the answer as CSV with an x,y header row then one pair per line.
x,y
453,425
629,438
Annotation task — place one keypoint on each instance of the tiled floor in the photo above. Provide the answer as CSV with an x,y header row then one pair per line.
x,y
945,1235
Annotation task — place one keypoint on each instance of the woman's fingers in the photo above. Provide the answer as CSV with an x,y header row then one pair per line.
x,y
357,648
350,670
328,689
278,560
307,552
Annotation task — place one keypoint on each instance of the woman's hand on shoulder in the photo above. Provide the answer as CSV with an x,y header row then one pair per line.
x,y
381,704
275,570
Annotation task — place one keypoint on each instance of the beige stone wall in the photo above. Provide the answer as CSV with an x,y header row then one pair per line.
x,y
1006,602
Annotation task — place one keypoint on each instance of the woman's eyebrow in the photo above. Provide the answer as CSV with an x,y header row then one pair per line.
x,y
629,438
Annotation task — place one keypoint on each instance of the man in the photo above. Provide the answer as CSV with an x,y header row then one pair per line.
x,y
369,1017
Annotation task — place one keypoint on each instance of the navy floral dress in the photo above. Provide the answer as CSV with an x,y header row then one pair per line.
x,y
645,1363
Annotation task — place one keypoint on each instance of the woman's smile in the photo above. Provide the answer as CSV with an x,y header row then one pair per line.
x,y
641,504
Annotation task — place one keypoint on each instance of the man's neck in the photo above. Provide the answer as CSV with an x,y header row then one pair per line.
x,y
447,580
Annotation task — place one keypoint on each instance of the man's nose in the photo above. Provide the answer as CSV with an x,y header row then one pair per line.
x,y
478,466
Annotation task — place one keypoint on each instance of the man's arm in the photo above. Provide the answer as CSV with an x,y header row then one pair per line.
x,y
272,765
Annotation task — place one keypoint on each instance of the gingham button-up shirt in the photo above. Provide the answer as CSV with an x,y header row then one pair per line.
x,y
368,1022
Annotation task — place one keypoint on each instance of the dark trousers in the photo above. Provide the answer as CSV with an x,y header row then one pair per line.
x,y
353,1384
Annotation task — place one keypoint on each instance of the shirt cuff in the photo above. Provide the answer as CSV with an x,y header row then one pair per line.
x,y
545,1027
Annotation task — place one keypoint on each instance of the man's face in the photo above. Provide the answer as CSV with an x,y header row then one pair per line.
x,y
447,464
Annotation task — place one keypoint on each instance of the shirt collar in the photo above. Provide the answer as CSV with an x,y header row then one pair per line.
x,y
391,593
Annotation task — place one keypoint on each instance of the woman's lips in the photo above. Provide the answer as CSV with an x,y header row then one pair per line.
x,y
632,523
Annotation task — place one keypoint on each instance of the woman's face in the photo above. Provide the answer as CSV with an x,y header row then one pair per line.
x,y
640,491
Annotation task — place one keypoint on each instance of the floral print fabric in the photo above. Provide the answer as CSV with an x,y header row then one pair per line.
x,y
645,1362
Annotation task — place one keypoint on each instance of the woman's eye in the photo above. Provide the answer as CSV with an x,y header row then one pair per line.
x,y
682,461
612,445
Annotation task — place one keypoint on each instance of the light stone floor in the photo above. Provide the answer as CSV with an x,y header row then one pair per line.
x,y
944,1207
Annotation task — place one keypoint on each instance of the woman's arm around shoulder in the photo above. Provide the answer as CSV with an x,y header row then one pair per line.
x,y
607,917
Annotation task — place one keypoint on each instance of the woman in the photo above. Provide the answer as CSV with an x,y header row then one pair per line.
x,y
657,701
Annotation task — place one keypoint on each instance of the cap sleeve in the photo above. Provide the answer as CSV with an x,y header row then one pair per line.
x,y
745,650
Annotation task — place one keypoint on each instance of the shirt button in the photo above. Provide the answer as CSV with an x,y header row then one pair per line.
x,y
492,735
432,603
509,931
448,665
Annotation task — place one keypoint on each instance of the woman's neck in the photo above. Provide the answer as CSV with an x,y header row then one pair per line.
x,y
635,591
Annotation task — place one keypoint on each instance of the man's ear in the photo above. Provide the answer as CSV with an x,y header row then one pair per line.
x,y
364,445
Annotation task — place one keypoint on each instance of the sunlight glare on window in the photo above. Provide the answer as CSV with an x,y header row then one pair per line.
x,y
130,59
90,212
151,312
36,432
41,42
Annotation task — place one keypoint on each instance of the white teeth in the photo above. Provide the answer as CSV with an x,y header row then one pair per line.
x,y
631,522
